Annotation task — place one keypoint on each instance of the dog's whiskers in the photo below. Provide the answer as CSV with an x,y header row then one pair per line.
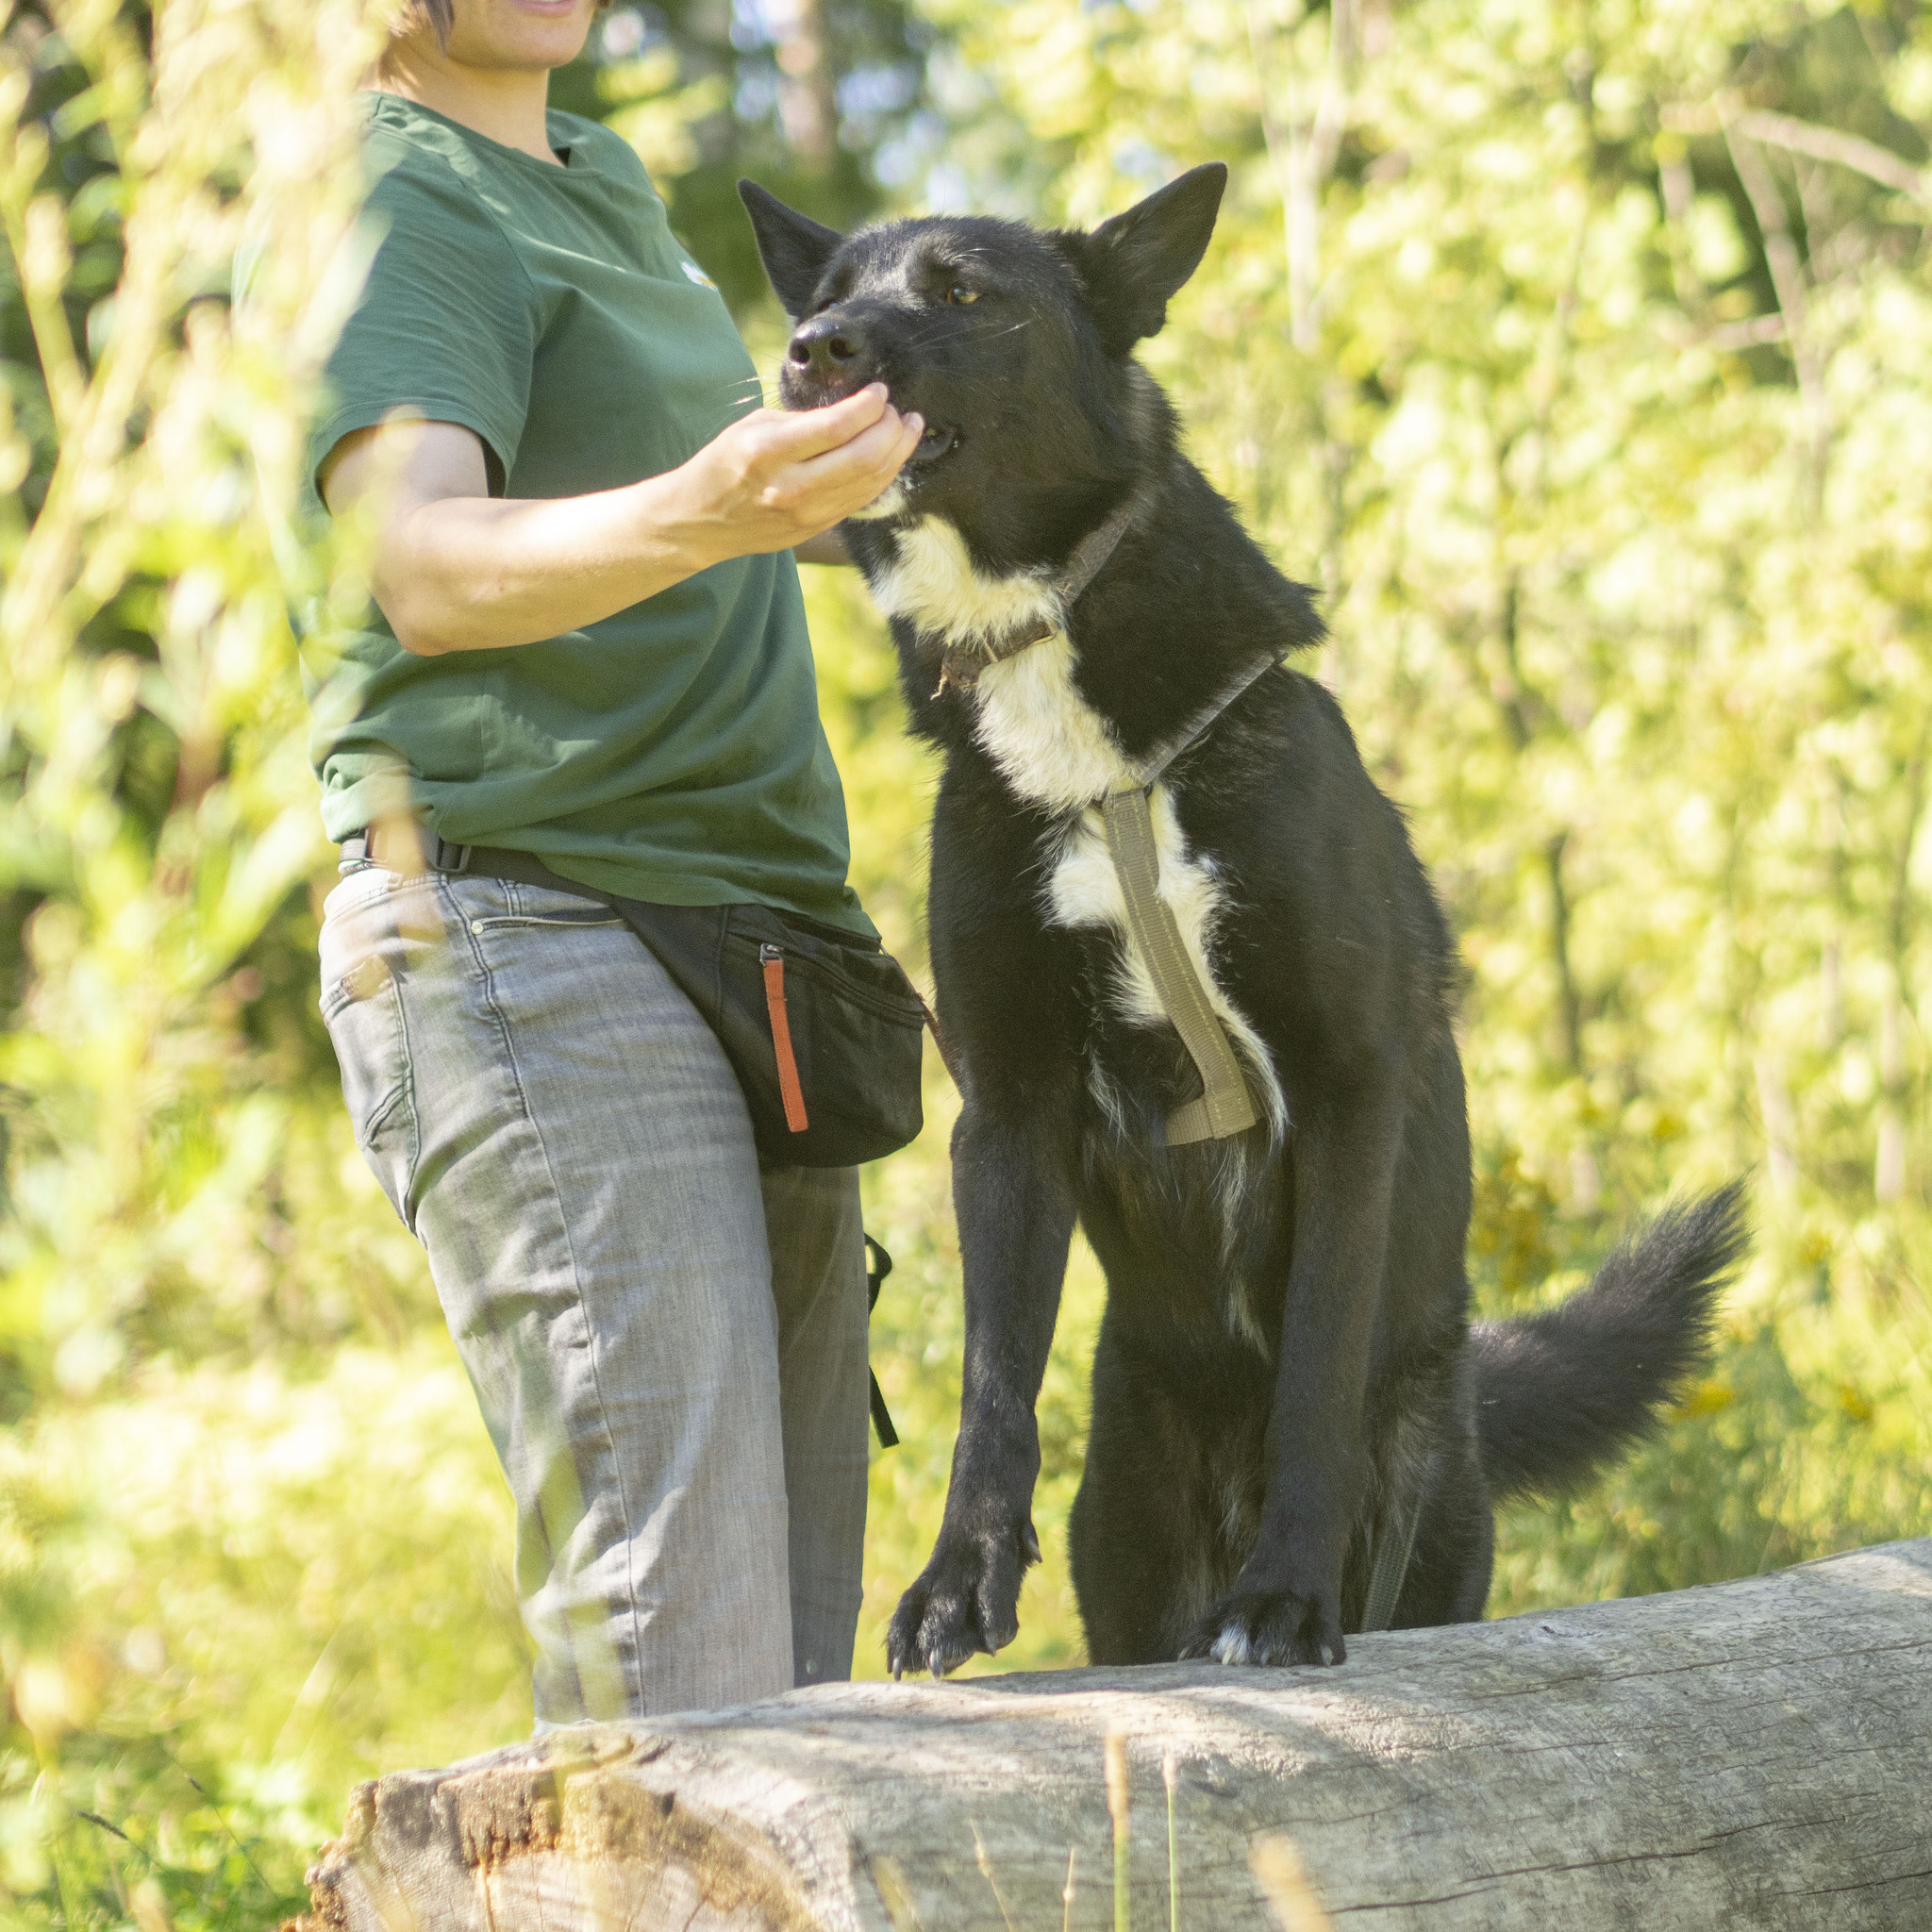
x,y
974,333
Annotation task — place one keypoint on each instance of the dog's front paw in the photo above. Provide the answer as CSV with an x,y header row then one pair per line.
x,y
966,1600
1268,1626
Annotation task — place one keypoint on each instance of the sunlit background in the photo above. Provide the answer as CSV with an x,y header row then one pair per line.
x,y
1581,351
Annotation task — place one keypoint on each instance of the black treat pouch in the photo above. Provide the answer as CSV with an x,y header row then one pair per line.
x,y
821,1027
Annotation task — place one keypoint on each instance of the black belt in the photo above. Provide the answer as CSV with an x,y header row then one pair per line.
x,y
393,848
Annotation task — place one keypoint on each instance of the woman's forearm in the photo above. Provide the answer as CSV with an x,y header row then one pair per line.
x,y
459,569
482,574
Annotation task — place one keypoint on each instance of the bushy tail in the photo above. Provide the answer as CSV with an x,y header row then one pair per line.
x,y
1559,1392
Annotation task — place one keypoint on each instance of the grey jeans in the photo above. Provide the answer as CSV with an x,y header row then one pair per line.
x,y
667,1342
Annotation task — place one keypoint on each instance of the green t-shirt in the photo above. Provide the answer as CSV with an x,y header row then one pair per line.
x,y
673,752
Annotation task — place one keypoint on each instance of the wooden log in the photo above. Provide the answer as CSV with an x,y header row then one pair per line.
x,y
1756,1754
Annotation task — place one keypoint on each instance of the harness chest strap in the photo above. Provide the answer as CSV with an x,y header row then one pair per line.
x,y
1225,1106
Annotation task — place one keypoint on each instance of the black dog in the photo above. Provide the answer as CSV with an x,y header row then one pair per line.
x,y
1287,1381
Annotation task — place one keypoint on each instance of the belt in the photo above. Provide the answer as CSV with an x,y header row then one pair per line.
x,y
401,845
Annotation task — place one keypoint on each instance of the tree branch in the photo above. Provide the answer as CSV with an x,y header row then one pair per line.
x,y
1788,281
1847,150
1303,155
1805,138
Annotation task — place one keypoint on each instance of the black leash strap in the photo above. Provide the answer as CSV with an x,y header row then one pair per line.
x,y
1395,1547
879,1265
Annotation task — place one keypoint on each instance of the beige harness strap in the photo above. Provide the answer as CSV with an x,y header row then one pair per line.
x,y
1224,1106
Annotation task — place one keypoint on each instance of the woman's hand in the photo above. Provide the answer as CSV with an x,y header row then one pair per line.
x,y
459,569
777,478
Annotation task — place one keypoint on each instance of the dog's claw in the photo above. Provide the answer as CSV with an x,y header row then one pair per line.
x,y
1268,1626
966,1600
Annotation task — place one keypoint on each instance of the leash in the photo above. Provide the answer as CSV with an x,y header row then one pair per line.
x,y
1390,1566
875,1279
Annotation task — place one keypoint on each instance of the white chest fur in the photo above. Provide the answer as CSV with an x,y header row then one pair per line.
x,y
932,583
1050,745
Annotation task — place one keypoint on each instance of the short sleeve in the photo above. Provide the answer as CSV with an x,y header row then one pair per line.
x,y
447,326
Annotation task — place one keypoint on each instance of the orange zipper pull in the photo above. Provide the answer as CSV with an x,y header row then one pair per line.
x,y
773,959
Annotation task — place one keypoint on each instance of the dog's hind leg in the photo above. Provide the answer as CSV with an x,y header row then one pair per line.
x,y
1448,1577
1160,1520
1430,1473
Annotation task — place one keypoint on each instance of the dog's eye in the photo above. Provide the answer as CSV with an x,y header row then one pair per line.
x,y
960,294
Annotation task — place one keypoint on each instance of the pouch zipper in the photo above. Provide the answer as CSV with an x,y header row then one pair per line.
x,y
771,958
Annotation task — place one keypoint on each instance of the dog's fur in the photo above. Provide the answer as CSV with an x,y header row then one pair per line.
x,y
1286,1365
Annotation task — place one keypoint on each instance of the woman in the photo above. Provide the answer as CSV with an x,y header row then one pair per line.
x,y
590,652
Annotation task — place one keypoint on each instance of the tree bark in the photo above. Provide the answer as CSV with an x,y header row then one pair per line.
x,y
1756,1754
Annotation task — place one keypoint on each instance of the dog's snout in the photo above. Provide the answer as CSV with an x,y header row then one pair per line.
x,y
829,346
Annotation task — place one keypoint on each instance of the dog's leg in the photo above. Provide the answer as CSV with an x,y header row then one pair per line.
x,y
1165,1510
1449,1573
1286,1605
1016,1220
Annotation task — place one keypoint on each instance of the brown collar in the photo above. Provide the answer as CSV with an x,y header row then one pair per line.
x,y
961,663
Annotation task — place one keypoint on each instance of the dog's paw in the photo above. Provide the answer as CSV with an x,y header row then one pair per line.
x,y
1268,1626
966,1600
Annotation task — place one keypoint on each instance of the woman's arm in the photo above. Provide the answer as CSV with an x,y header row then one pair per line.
x,y
459,569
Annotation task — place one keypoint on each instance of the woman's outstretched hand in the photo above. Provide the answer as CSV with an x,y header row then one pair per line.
x,y
778,477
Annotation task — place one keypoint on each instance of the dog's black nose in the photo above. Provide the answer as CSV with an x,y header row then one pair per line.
x,y
832,348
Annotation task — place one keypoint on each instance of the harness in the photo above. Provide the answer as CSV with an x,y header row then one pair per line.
x,y
1225,1106
961,663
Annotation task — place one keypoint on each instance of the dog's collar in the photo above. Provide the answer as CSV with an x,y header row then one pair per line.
x,y
961,663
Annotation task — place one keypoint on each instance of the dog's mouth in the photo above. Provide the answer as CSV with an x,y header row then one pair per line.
x,y
940,441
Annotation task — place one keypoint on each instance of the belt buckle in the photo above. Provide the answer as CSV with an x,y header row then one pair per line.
x,y
458,864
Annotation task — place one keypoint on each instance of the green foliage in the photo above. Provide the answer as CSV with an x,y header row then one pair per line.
x,y
263,1578
1580,353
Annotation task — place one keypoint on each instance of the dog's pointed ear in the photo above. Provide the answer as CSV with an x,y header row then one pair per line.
x,y
1133,264
796,248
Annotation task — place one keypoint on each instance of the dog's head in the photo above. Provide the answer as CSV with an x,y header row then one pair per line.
x,y
1014,344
